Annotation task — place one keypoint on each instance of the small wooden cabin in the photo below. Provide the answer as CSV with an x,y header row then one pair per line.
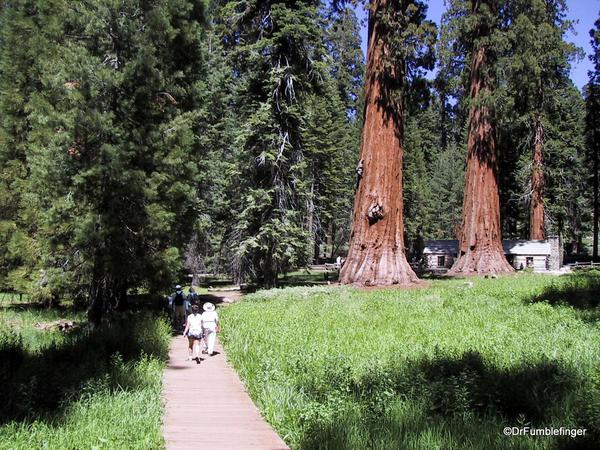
x,y
440,253
527,254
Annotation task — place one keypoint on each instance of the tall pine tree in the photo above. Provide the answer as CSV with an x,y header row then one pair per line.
x,y
277,53
593,128
536,65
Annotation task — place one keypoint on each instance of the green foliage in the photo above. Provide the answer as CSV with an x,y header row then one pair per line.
x,y
138,139
269,230
127,127
536,69
446,366
69,390
528,67
19,47
568,204
110,143
330,146
433,178
592,100
347,61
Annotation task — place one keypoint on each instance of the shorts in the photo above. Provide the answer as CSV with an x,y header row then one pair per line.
x,y
196,336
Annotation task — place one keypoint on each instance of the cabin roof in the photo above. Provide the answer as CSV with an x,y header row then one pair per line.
x,y
522,247
444,246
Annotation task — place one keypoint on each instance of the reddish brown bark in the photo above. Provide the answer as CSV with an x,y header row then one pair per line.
x,y
376,255
537,229
480,241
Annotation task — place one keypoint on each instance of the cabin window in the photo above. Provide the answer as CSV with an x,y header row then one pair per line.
x,y
441,261
529,261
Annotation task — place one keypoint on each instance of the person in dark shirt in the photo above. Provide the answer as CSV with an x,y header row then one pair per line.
x,y
179,300
192,297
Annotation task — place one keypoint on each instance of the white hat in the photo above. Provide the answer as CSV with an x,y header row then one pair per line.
x,y
178,287
208,306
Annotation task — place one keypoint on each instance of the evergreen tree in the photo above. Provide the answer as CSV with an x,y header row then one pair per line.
x,y
346,59
333,122
447,186
110,146
277,51
217,177
536,65
421,142
20,45
480,243
568,205
593,128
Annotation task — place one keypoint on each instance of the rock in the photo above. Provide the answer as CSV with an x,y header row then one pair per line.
x,y
61,325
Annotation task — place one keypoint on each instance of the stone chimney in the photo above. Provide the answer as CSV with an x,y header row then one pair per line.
x,y
555,260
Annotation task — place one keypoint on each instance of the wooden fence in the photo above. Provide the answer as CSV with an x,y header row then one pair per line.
x,y
584,265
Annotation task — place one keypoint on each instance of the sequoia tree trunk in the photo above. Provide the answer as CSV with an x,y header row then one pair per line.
x,y
480,240
537,229
376,254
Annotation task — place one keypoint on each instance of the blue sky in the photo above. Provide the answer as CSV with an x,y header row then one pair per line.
x,y
582,12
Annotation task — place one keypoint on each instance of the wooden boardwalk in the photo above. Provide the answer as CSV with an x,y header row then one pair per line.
x,y
207,407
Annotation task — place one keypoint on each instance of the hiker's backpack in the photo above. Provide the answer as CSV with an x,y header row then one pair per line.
x,y
179,299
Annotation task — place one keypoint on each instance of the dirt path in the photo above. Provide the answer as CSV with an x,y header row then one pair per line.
x,y
207,407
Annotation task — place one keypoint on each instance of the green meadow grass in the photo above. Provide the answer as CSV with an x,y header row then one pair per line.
x,y
307,277
22,317
442,367
85,389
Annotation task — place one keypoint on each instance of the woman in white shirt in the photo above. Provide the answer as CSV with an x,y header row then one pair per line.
x,y
210,326
193,331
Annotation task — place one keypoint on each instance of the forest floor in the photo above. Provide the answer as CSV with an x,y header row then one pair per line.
x,y
447,366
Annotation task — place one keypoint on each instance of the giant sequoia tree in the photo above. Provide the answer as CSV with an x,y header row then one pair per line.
x,y
480,241
397,46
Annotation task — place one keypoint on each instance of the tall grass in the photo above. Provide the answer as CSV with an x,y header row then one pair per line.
x,y
446,367
85,389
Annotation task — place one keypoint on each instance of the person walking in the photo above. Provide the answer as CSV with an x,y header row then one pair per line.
x,y
193,331
178,308
210,327
192,297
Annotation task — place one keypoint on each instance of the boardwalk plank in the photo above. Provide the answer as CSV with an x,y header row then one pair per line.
x,y
207,407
